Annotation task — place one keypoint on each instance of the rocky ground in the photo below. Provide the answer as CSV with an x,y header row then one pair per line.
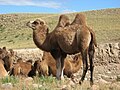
x,y
107,65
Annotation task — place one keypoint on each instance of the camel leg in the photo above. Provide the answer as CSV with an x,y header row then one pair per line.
x,y
85,65
58,66
59,57
91,57
62,64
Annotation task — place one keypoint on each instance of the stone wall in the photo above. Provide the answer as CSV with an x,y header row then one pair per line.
x,y
104,53
31,53
107,53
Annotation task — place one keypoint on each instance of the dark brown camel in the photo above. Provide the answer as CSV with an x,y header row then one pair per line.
x,y
47,65
63,21
68,40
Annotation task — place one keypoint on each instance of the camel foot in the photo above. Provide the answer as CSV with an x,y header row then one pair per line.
x,y
62,78
91,83
80,82
58,78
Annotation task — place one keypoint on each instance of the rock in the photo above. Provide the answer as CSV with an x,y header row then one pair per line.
x,y
108,72
108,78
95,87
28,81
71,84
107,53
7,86
103,81
118,77
64,87
36,85
26,54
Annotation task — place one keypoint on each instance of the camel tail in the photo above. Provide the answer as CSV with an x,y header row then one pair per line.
x,y
78,36
93,38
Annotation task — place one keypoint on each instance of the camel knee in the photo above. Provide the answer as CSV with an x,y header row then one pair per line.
x,y
91,67
85,68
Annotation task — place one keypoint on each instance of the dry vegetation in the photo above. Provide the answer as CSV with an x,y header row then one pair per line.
x,y
15,34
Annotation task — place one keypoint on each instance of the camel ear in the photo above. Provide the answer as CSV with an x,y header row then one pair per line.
x,y
11,52
4,48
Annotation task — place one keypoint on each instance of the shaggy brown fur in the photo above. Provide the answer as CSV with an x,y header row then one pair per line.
x,y
8,61
63,21
3,52
80,19
69,40
48,65
22,68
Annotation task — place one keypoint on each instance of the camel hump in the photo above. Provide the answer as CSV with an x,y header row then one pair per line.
x,y
79,19
68,36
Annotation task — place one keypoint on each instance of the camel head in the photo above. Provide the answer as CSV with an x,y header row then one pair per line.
x,y
38,24
20,60
3,52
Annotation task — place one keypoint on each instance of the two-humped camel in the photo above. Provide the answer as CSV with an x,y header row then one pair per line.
x,y
69,39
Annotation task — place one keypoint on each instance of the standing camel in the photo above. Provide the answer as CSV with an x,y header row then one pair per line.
x,y
66,40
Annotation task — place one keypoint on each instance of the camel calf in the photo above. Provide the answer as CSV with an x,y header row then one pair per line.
x,y
48,65
23,68
3,72
7,57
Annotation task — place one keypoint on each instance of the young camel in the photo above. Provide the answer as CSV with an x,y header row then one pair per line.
x,y
48,65
8,60
70,39
23,68
3,71
7,57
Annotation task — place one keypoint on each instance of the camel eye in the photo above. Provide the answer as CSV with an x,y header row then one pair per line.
x,y
42,23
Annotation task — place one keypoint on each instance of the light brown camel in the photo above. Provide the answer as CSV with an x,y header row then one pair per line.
x,y
68,40
47,65
23,68
7,57
3,72
8,60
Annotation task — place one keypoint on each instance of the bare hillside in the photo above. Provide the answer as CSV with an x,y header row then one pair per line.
x,y
15,34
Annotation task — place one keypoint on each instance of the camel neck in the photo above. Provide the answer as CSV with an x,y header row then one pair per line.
x,y
40,39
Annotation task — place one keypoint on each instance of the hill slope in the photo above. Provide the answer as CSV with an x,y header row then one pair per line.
x,y
15,34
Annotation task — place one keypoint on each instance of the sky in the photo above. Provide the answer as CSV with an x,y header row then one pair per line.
x,y
55,6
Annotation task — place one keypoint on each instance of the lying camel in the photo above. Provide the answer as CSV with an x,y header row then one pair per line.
x,y
3,72
48,65
23,68
8,60
7,57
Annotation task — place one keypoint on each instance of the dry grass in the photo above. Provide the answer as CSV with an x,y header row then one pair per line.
x,y
15,34
50,83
